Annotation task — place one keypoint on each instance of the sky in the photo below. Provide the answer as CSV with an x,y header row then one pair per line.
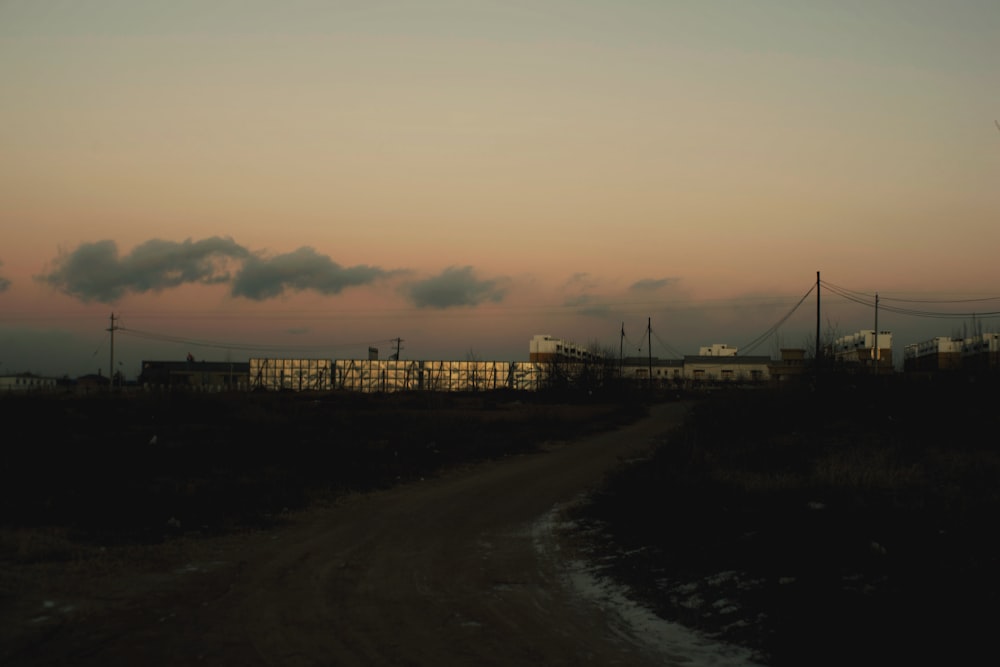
x,y
310,178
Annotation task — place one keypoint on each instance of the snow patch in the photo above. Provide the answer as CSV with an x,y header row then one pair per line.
x,y
631,620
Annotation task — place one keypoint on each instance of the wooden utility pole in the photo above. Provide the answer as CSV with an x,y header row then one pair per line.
x,y
875,350
621,352
111,372
819,351
649,349
398,341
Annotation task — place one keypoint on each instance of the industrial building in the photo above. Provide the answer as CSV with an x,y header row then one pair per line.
x,y
391,375
207,375
553,362
556,362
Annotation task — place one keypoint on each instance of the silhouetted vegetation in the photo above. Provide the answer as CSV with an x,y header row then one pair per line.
x,y
851,522
113,468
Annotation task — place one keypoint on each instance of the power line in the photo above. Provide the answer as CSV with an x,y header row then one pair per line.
x,y
749,347
672,350
246,347
864,299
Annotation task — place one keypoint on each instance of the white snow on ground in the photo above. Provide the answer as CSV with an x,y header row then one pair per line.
x,y
632,621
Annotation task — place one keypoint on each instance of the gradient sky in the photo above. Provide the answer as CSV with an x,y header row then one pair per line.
x,y
307,178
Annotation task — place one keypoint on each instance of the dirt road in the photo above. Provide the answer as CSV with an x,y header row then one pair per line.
x,y
464,569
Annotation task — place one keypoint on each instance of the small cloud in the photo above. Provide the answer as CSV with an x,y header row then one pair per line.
x,y
303,269
453,287
95,272
4,283
652,284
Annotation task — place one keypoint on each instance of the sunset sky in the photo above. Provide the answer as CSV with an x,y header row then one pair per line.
x,y
308,178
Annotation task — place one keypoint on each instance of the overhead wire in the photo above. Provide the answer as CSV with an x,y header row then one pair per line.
x,y
749,347
854,296
868,300
166,338
669,348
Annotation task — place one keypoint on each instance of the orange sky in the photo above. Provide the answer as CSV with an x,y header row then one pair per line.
x,y
465,175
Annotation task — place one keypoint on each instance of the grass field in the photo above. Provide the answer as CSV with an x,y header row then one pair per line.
x,y
849,522
137,469
853,522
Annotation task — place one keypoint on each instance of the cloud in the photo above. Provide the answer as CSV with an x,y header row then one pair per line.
x,y
453,287
95,272
652,284
4,283
303,269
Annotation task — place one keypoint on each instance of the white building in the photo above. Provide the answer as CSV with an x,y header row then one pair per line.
x,y
717,350
936,354
726,368
26,382
543,347
860,348
981,352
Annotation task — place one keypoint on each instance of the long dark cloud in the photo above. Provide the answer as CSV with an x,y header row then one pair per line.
x,y
302,269
96,272
652,284
454,287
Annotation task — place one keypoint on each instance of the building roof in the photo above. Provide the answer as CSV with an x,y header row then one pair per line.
x,y
723,361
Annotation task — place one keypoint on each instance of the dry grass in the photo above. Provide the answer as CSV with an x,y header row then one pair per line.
x,y
87,473
851,531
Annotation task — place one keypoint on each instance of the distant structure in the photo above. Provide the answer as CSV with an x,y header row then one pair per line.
x,y
393,375
543,347
861,349
932,356
27,382
790,366
191,374
718,350
716,364
557,363
978,353
982,352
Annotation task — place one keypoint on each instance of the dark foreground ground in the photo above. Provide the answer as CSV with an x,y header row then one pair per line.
x,y
848,522
853,522
460,567
142,468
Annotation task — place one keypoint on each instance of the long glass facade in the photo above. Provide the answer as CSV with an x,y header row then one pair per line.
x,y
389,375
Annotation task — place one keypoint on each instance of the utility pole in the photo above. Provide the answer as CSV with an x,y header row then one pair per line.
x,y
875,349
649,349
111,371
398,341
819,352
621,352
